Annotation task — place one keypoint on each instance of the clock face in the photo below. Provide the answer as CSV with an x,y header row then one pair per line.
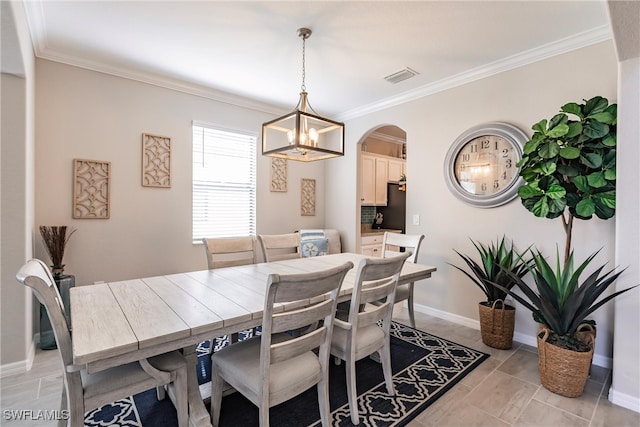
x,y
486,165
480,167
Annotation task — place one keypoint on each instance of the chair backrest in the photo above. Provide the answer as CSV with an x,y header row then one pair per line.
x,y
376,281
410,242
294,301
230,251
36,275
277,247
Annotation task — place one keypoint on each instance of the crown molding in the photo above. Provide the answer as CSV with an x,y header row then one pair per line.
x,y
549,50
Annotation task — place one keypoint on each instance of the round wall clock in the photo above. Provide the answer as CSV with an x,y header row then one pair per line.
x,y
480,167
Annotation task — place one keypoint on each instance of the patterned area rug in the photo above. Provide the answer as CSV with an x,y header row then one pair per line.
x,y
424,368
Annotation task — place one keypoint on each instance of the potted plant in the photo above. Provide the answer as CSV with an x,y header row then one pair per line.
x,y
55,238
563,303
497,319
569,165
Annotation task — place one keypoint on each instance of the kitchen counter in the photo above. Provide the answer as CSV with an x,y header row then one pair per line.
x,y
376,231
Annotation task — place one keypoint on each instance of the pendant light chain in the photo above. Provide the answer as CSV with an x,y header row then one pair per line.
x,y
304,42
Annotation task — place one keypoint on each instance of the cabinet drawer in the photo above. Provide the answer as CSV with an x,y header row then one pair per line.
x,y
372,250
372,240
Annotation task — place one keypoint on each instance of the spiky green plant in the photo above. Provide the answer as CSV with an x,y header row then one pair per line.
x,y
496,260
562,302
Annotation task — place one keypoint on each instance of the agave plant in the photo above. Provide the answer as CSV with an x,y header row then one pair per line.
x,y
562,302
497,259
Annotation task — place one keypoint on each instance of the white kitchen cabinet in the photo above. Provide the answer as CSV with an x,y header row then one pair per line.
x,y
374,180
371,244
376,171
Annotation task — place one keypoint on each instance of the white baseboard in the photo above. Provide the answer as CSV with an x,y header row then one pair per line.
x,y
23,365
599,360
626,401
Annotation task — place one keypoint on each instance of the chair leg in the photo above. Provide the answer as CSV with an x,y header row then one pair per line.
x,y
323,402
412,317
352,392
385,358
63,406
217,384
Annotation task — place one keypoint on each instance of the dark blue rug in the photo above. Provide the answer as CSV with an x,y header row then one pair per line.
x,y
424,368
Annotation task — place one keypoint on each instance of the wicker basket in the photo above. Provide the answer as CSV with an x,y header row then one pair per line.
x,y
497,324
563,371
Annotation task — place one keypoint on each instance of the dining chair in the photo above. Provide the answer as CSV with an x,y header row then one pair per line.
x,y
230,251
359,335
83,391
278,247
391,244
276,366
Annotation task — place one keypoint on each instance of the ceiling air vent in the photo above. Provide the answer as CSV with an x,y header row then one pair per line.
x,y
401,75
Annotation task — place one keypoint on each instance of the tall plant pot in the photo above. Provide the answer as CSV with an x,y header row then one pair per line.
x,y
563,371
497,324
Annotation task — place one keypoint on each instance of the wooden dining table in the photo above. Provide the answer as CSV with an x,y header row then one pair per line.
x,y
120,322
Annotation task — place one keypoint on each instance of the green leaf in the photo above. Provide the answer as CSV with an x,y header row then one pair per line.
x,y
541,208
575,128
596,179
607,199
530,146
610,174
610,140
568,170
582,184
559,130
558,119
595,130
604,117
586,208
592,160
572,108
549,150
556,206
569,152
604,212
541,126
527,192
595,105
555,191
548,167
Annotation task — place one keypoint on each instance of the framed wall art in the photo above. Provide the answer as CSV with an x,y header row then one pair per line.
x,y
156,161
278,175
91,189
308,197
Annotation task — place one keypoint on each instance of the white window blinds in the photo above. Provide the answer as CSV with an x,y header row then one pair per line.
x,y
224,183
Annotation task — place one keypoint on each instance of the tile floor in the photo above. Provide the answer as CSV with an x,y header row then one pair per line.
x,y
504,391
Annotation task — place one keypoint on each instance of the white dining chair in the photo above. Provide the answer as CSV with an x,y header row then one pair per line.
x,y
277,366
230,251
357,334
391,245
83,391
278,247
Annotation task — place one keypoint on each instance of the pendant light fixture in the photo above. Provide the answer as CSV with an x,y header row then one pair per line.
x,y
302,134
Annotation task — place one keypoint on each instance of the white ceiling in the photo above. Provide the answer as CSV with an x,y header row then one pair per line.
x,y
250,49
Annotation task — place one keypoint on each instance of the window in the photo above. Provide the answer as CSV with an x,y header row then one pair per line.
x,y
224,183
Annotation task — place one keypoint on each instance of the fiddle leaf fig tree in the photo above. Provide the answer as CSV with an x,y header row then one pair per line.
x,y
569,165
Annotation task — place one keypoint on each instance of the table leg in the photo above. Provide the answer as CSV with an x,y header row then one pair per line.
x,y
198,414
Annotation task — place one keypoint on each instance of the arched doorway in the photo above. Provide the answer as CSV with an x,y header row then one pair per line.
x,y
382,158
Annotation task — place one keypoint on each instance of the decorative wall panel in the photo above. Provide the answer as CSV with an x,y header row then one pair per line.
x,y
308,197
278,175
91,189
156,161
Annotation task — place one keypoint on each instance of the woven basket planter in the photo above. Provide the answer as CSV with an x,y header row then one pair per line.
x,y
563,371
496,324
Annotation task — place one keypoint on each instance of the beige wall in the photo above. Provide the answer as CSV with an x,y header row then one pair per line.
x,y
89,115
522,97
16,201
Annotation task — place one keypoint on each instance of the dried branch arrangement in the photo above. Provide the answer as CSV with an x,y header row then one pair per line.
x,y
55,239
